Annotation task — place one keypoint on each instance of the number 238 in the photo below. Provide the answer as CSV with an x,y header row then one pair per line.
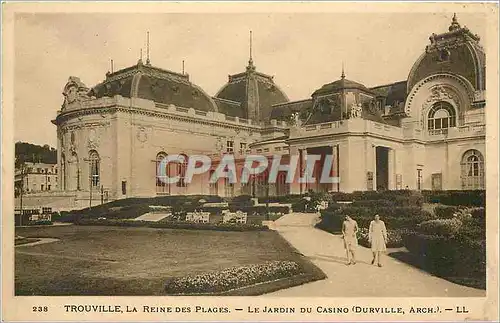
x,y
40,308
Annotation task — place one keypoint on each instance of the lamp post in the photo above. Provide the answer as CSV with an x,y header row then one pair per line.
x,y
21,195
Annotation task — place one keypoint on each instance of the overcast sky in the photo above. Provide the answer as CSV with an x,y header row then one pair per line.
x,y
302,51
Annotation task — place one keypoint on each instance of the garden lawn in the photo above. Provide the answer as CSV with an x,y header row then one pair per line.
x,y
103,260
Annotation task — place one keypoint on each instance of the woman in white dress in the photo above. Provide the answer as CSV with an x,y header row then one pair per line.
x,y
377,236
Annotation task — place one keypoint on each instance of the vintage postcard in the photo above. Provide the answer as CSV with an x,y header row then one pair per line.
x,y
249,161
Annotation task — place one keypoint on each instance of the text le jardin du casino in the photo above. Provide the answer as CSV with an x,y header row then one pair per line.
x,y
319,309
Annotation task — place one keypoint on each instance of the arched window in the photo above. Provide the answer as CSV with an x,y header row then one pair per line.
x,y
472,170
181,171
441,116
161,174
94,162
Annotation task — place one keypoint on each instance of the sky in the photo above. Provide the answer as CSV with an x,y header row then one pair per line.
x,y
303,51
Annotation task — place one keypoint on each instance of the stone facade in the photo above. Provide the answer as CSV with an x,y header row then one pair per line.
x,y
424,133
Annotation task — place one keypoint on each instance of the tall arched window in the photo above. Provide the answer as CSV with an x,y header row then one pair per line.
x,y
441,116
472,170
94,162
181,171
161,174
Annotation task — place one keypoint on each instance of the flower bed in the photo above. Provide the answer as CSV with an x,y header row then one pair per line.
x,y
232,278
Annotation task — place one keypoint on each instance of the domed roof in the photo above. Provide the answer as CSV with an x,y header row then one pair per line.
x,y
152,83
252,95
341,84
456,51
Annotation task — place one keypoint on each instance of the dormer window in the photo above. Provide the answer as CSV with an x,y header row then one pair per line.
x,y
444,55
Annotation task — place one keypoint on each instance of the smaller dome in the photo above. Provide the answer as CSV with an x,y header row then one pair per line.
x,y
341,84
250,95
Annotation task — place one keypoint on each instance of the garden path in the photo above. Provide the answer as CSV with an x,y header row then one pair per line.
x,y
325,250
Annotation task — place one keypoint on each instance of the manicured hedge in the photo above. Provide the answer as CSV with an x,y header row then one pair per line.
x,y
440,227
231,278
465,198
394,217
175,225
458,256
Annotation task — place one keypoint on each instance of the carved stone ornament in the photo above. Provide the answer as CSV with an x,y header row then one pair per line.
x,y
74,91
440,93
93,139
356,110
142,136
219,145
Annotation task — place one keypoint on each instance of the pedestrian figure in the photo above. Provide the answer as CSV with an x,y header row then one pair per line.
x,y
377,236
349,231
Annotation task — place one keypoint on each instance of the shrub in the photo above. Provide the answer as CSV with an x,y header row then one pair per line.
x,y
394,238
457,256
440,227
394,217
458,197
232,278
445,212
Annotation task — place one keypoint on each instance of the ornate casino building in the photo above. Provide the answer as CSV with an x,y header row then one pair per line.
x,y
425,132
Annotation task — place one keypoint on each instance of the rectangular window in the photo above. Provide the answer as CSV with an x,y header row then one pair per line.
x,y
41,187
259,150
48,179
124,187
243,147
48,188
230,146
266,150
277,148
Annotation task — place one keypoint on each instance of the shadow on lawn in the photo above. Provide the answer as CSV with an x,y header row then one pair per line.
x,y
402,255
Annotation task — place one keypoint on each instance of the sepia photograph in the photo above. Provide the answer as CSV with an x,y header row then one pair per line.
x,y
277,155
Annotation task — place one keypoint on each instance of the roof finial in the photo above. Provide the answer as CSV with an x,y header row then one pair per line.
x,y
148,62
112,69
250,60
140,59
454,23
342,76
182,67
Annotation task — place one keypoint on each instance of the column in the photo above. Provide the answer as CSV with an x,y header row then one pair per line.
x,y
391,170
374,167
294,185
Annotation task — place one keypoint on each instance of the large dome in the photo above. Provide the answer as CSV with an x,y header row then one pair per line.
x,y
162,86
457,52
249,95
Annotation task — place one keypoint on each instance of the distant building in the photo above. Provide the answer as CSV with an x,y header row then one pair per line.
x,y
36,177
426,132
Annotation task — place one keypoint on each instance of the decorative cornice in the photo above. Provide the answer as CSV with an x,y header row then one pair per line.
x,y
164,115
466,84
